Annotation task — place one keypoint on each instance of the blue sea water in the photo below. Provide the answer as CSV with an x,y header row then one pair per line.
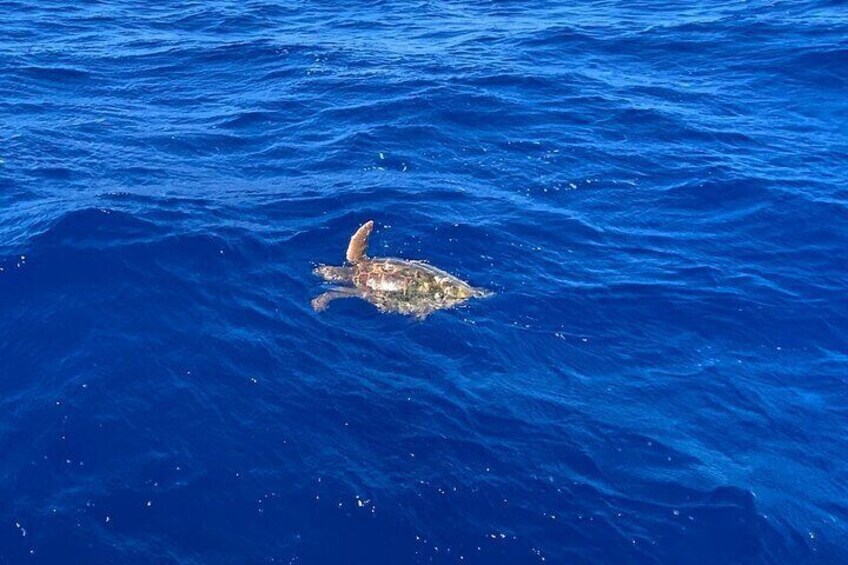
x,y
655,190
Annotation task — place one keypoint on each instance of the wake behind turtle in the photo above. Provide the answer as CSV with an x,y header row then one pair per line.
x,y
412,288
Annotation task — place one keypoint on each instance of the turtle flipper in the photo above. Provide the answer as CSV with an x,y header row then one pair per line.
x,y
420,314
322,301
359,242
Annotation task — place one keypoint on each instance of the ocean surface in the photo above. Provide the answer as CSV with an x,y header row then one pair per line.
x,y
657,192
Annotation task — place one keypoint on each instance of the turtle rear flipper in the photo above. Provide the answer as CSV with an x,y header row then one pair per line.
x,y
322,301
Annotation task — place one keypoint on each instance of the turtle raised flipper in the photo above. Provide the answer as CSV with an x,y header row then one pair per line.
x,y
359,243
322,301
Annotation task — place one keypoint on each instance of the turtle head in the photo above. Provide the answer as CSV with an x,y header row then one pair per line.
x,y
481,293
465,292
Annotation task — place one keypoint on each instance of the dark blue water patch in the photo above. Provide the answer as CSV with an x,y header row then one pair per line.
x,y
824,67
63,75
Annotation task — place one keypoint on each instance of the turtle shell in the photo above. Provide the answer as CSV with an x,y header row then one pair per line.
x,y
411,283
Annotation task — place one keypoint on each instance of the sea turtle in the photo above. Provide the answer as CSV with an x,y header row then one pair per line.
x,y
406,287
